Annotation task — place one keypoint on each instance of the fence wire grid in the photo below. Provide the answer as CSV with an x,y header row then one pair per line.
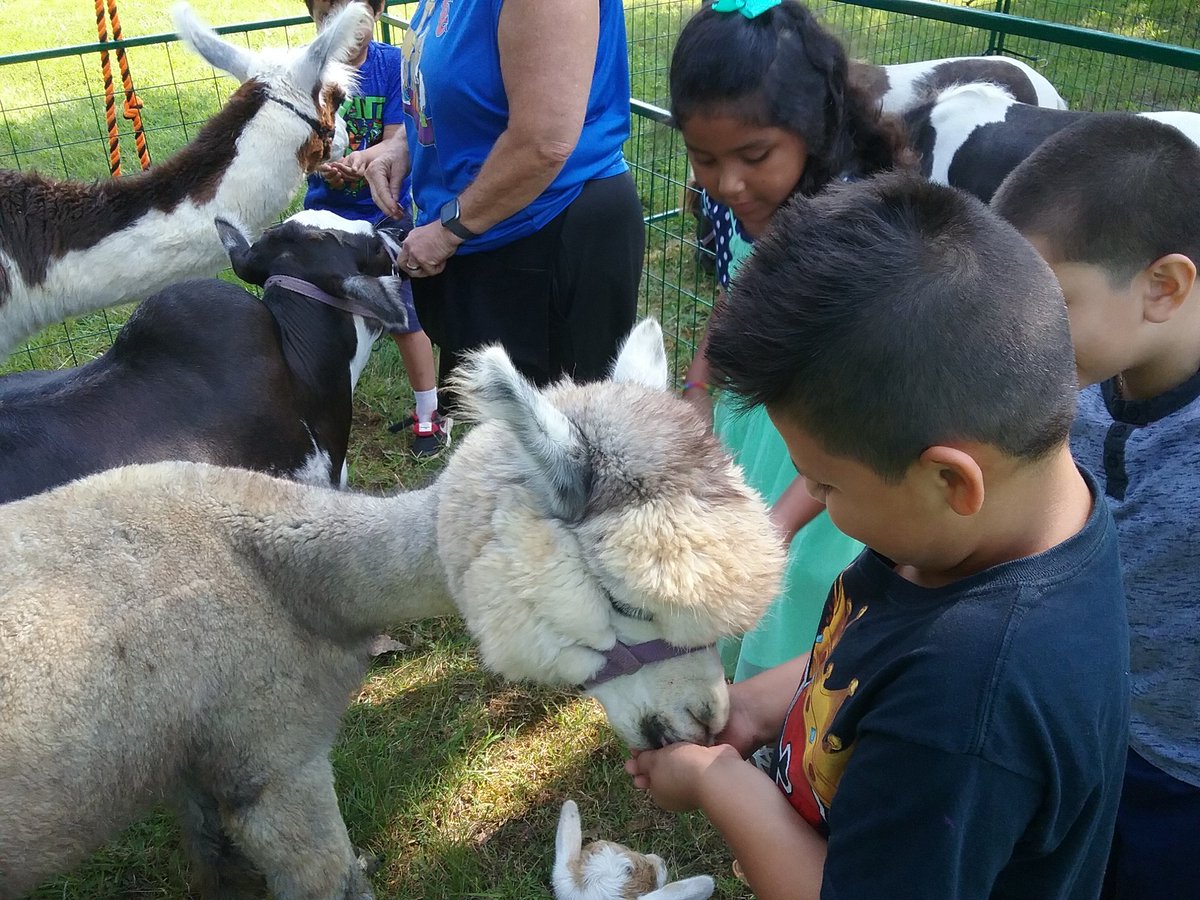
x,y
52,115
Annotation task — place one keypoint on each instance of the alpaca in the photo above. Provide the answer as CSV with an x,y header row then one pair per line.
x,y
185,631
68,248
604,870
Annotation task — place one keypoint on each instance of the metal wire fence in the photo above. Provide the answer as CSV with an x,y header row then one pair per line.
x,y
1101,55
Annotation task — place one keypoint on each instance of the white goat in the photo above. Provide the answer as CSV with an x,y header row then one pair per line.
x,y
604,870
68,248
185,631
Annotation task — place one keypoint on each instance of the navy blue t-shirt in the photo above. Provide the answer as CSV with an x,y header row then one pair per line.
x,y
967,741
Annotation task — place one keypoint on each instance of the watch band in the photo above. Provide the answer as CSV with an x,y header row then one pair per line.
x,y
450,220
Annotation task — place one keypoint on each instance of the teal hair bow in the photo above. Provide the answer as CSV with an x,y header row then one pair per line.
x,y
748,8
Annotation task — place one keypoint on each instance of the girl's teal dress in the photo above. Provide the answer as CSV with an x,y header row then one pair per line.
x,y
819,551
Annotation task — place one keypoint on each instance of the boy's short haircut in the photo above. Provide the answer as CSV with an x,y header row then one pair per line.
x,y
893,314
1115,190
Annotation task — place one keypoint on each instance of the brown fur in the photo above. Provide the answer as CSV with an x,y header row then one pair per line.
x,y
966,71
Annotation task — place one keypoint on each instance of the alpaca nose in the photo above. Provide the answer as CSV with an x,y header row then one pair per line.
x,y
657,732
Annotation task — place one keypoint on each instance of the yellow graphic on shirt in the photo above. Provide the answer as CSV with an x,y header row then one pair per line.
x,y
824,757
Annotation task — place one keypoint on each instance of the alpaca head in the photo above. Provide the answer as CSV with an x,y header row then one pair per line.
x,y
584,517
604,870
309,82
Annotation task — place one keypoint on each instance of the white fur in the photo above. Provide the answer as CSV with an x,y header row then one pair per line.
x,y
607,871
163,247
646,363
956,114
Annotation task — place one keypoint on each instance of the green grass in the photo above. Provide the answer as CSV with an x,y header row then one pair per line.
x,y
452,777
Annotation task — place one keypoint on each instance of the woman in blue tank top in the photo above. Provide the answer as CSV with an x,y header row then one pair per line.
x,y
529,228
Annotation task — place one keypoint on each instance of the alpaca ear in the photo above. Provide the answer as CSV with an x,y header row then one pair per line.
x,y
237,61
549,447
380,298
333,44
699,887
642,358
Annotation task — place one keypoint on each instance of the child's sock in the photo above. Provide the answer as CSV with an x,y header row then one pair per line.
x,y
426,404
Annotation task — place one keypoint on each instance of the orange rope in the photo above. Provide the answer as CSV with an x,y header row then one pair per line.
x,y
110,111
132,106
133,103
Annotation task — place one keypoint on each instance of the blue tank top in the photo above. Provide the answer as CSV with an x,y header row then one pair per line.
x,y
456,108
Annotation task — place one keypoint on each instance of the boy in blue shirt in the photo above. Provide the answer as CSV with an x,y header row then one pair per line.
x,y
1113,205
959,726
373,117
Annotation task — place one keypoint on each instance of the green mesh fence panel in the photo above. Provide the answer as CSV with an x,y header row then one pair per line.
x,y
52,114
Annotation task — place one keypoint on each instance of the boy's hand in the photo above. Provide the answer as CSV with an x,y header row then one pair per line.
x,y
740,731
675,775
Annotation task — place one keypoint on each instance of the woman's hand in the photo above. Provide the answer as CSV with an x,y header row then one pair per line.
x,y
675,775
384,168
426,249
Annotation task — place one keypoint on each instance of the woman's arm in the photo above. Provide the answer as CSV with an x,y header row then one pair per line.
x,y
697,381
547,57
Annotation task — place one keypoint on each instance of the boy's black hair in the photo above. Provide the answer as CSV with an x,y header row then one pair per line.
x,y
783,69
1114,190
887,316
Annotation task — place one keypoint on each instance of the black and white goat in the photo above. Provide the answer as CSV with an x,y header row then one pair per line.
x,y
204,371
972,136
68,248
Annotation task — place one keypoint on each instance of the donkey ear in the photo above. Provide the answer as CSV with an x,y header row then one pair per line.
x,y
383,298
699,887
550,450
642,358
333,44
237,61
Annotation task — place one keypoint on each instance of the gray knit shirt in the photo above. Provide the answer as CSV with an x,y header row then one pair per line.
x,y
1146,456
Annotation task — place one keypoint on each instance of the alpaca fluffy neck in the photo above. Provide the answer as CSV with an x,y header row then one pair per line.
x,y
355,565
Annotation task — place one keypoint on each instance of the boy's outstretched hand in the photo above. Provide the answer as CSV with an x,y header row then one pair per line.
x,y
675,776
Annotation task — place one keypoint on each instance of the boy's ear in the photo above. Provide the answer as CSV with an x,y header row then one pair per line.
x,y
1168,280
958,476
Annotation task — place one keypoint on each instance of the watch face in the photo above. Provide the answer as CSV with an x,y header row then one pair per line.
x,y
449,211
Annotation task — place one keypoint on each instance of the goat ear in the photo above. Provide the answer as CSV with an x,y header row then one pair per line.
x,y
333,44
230,58
642,358
550,449
383,299
237,245
699,887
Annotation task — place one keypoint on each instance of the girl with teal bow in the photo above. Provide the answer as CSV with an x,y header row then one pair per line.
x,y
760,92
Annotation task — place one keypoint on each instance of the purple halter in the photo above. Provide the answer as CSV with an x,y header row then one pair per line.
x,y
308,289
625,659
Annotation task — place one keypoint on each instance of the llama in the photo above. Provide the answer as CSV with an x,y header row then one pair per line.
x,y
897,88
604,870
68,248
205,371
972,136
185,631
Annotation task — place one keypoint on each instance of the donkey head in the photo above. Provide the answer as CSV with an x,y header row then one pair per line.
x,y
310,82
587,520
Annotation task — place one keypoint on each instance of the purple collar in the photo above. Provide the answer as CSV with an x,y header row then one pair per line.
x,y
308,289
625,659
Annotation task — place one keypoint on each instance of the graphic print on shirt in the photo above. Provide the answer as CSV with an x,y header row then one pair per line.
x,y
811,756
413,92
364,128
